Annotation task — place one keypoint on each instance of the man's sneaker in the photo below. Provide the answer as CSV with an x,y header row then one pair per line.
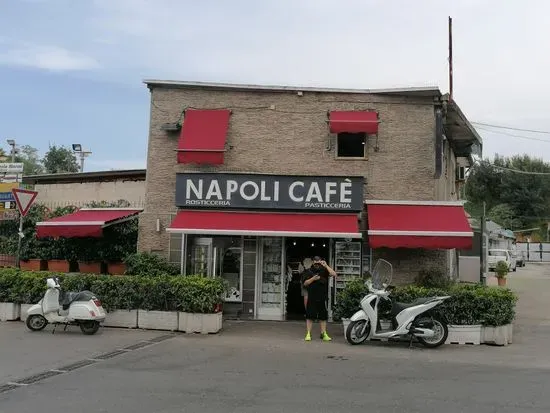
x,y
308,337
325,337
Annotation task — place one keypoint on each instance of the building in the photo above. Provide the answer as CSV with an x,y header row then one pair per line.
x,y
244,181
81,188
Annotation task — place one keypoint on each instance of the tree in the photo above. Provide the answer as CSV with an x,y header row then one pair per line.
x,y
505,216
60,159
30,159
516,199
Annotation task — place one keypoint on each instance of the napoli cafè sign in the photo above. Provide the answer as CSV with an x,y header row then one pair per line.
x,y
251,191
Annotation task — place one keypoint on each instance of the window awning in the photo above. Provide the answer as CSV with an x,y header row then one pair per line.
x,y
353,122
276,224
86,222
203,136
409,224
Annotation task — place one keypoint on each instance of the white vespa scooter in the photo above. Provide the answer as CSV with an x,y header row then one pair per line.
x,y
407,319
69,308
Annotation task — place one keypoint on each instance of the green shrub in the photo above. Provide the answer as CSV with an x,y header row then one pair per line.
x,y
348,299
433,278
144,263
468,305
160,293
501,269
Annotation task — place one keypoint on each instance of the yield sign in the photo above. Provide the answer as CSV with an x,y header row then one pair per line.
x,y
24,199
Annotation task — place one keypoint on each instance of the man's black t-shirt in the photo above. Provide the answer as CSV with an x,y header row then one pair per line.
x,y
317,290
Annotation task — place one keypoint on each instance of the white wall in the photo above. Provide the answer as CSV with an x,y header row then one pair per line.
x,y
80,193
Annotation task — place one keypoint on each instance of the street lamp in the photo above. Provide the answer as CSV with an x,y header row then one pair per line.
x,y
77,149
11,142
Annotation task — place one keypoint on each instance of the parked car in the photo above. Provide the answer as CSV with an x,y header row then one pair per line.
x,y
496,255
521,258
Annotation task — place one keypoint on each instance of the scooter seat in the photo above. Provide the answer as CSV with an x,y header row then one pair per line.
x,y
69,297
398,307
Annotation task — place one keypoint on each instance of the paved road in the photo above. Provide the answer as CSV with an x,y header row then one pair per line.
x,y
266,367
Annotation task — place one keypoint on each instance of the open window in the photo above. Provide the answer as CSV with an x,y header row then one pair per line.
x,y
351,145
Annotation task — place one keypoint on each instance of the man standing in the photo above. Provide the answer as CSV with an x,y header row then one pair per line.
x,y
316,282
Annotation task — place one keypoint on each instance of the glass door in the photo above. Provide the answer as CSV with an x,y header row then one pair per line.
x,y
201,257
270,285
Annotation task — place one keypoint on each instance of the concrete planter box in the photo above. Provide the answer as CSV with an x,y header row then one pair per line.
x,y
122,318
23,311
9,311
500,336
464,335
158,320
200,323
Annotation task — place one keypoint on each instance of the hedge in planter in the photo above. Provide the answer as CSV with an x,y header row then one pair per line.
x,y
468,305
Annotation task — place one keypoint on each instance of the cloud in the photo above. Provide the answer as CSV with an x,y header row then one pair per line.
x,y
52,58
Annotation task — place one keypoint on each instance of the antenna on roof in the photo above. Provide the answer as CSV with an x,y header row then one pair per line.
x,y
450,58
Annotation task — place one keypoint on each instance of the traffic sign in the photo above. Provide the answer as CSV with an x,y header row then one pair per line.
x,y
24,199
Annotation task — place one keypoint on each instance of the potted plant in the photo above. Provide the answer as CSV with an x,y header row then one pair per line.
x,y
30,254
199,302
157,309
501,270
118,242
54,250
87,255
9,288
348,301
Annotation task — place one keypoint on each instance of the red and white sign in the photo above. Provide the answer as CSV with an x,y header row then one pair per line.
x,y
24,199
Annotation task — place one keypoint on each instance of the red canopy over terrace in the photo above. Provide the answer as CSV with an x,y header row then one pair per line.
x,y
86,222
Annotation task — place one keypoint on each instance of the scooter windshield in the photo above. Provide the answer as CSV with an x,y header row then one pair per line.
x,y
382,274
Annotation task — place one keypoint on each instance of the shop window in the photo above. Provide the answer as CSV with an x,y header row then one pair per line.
x,y
217,256
351,145
175,250
228,252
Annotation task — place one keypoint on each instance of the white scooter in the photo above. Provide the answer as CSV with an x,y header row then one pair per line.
x,y
407,319
68,308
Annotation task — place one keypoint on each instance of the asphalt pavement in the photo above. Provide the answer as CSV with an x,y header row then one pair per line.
x,y
267,367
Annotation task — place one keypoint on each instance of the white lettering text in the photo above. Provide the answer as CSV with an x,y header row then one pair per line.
x,y
254,186
291,191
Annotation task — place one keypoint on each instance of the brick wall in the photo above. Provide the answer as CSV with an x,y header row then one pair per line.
x,y
283,133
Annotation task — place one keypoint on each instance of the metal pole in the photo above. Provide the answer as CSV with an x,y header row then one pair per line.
x,y
482,252
82,161
450,58
20,234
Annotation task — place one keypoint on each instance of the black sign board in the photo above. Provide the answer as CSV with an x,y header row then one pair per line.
x,y
251,191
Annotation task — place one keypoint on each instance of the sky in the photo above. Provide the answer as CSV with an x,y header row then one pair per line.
x,y
72,70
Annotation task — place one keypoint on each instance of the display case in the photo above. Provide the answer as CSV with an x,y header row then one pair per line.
x,y
272,277
347,258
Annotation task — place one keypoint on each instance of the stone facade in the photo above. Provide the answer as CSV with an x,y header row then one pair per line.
x,y
284,132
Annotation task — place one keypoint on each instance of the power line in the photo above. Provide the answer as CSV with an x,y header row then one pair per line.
x,y
520,171
511,128
513,135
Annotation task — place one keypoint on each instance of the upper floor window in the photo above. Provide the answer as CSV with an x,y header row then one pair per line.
x,y
351,145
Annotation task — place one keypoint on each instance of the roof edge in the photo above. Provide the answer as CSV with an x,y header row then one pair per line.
x,y
411,91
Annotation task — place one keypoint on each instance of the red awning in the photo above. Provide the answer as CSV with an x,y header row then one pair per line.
x,y
203,134
86,222
276,224
429,225
354,122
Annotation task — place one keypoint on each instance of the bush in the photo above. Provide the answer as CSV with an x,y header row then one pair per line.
x,y
160,293
348,299
468,305
433,278
144,263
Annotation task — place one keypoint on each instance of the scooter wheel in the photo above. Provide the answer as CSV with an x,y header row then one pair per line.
x,y
36,322
442,332
89,327
357,332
